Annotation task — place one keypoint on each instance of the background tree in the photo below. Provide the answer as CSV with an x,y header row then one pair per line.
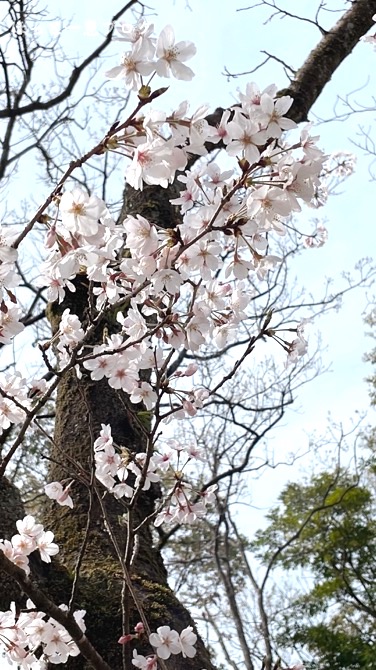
x,y
112,570
325,527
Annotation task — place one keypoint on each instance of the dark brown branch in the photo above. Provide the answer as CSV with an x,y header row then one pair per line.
x,y
38,104
324,60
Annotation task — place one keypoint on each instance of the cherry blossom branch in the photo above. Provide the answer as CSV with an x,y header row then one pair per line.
x,y
47,606
99,149
327,56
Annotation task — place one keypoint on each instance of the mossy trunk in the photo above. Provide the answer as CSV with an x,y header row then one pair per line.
x,y
11,510
82,405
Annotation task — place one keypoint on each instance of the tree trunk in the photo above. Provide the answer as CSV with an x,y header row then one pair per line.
x,y
82,405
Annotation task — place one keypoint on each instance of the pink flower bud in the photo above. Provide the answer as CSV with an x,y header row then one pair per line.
x,y
139,628
190,369
189,408
50,238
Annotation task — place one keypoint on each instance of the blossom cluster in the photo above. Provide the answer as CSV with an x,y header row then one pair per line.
x,y
182,287
166,642
113,465
31,537
15,397
13,400
148,56
24,633
188,286
10,315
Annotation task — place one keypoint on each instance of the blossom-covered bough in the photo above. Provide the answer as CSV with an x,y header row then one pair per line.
x,y
126,298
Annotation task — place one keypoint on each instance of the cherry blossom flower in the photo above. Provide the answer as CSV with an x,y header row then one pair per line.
x,y
55,491
7,253
215,177
274,111
166,642
104,439
251,99
187,639
136,467
23,544
9,279
169,280
297,349
145,394
10,324
99,367
245,138
144,662
29,527
133,66
188,197
80,212
155,163
46,547
18,558
209,493
108,460
267,203
171,56
10,413
70,329
142,237
129,32
123,374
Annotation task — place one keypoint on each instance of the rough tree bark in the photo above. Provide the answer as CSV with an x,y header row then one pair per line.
x,y
82,405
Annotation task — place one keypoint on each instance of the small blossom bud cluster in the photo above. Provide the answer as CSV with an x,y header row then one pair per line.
x,y
181,506
31,537
317,239
139,631
184,504
21,635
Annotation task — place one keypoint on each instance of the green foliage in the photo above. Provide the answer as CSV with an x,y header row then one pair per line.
x,y
327,527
